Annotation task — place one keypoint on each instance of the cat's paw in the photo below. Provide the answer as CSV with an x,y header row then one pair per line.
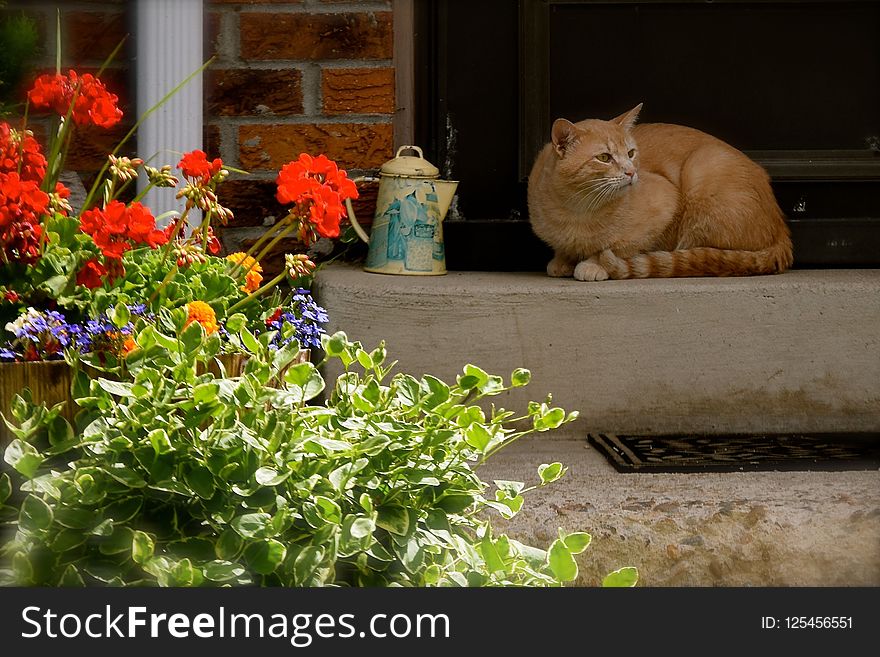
x,y
590,271
559,268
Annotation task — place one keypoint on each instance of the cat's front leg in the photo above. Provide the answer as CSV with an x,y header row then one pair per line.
x,y
590,270
560,267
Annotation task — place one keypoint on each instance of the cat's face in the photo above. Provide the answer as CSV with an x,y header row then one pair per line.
x,y
597,159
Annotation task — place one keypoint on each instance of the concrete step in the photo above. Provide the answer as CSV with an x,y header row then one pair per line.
x,y
725,529
791,353
795,352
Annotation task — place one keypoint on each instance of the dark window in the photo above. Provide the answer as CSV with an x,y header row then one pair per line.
x,y
793,84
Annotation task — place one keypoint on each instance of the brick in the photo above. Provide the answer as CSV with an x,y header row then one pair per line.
x,y
358,90
316,36
211,45
252,201
256,2
212,139
352,145
93,35
91,146
248,92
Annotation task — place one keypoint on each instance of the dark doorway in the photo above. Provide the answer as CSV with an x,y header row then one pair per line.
x,y
793,84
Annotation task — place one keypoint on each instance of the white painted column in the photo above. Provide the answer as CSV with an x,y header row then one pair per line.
x,y
169,48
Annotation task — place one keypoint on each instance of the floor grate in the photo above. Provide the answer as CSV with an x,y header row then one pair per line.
x,y
740,452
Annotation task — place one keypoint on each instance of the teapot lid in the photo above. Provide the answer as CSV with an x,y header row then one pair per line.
x,y
410,165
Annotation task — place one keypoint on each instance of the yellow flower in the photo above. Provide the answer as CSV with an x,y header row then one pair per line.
x,y
202,313
254,271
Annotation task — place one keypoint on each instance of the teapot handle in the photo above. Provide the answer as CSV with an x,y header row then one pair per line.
x,y
410,148
354,223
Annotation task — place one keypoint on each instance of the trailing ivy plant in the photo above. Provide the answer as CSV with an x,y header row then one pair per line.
x,y
180,477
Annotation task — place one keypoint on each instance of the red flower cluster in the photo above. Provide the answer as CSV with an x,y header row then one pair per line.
x,y
195,165
117,228
20,152
92,103
319,187
22,202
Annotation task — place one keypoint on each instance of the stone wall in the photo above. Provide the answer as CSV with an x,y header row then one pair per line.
x,y
288,77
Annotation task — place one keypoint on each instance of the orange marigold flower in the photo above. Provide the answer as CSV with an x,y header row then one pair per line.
x,y
202,313
252,281
254,271
128,346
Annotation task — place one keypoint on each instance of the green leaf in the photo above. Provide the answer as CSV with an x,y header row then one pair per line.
x,y
270,477
550,472
200,480
67,539
393,519
205,392
305,380
71,577
265,556
250,342
493,559
119,541
306,563
562,564
622,577
334,345
6,488
23,457
328,509
159,440
550,419
222,571
366,503
234,324
120,315
252,525
228,545
476,436
117,388
577,542
141,547
364,359
35,514
520,377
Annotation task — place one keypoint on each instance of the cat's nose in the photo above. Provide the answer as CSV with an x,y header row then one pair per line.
x,y
630,173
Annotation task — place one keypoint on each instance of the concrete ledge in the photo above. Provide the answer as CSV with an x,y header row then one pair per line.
x,y
796,352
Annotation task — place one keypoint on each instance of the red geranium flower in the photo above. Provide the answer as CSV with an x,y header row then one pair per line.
x,y
195,165
92,103
91,275
20,152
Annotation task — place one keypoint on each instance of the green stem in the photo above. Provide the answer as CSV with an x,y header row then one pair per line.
x,y
206,224
165,281
271,230
253,295
180,222
278,237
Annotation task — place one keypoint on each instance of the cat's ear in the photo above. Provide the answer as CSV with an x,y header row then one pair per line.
x,y
563,135
628,119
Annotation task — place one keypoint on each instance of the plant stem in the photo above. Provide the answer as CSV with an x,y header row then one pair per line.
x,y
165,281
278,237
271,230
253,295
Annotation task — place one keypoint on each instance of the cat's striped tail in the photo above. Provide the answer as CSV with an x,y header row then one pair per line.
x,y
699,261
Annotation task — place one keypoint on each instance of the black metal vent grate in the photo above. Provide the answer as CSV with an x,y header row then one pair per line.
x,y
741,452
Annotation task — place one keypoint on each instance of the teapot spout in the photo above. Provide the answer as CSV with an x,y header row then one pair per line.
x,y
445,192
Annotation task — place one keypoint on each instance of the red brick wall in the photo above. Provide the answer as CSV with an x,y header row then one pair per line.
x,y
288,76
90,30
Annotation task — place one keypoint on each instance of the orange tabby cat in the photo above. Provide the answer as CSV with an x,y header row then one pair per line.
x,y
615,200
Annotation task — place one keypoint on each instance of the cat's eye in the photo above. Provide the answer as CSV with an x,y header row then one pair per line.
x,y
604,157
632,153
